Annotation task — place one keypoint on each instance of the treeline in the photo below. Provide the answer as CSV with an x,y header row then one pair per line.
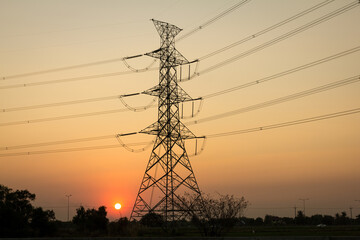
x,y
317,219
213,217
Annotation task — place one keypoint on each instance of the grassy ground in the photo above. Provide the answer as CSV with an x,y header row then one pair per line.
x,y
238,231
295,231
265,231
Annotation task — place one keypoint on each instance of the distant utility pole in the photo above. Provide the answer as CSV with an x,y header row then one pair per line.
x,y
68,206
304,199
295,212
351,212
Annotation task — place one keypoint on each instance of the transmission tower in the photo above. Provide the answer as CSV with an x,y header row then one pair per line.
x,y
168,174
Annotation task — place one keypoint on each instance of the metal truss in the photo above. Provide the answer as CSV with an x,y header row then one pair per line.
x,y
168,174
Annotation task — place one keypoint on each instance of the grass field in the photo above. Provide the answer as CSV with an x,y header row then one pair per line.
x,y
348,230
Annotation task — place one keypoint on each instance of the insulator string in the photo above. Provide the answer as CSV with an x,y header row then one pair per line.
x,y
133,150
138,109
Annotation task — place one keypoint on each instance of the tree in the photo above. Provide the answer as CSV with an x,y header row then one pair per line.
x,y
357,220
300,218
328,220
152,219
80,219
214,216
18,218
15,212
122,227
42,222
91,220
317,219
342,219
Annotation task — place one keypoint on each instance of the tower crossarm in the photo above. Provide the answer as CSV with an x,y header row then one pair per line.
x,y
176,58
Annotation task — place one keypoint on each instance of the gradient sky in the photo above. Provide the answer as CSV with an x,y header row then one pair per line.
x,y
272,169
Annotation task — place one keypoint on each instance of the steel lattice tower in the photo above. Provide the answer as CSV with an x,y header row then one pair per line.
x,y
168,173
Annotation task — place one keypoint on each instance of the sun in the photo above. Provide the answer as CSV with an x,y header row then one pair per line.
x,y
117,206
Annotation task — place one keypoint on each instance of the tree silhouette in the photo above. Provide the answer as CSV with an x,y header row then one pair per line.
x,y
18,218
42,222
152,219
215,216
342,219
91,220
300,218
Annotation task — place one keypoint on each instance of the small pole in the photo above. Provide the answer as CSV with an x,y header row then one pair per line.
x,y
68,207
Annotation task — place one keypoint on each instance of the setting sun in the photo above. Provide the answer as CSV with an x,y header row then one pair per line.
x,y
117,206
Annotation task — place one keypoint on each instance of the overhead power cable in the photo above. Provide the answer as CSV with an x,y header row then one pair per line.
x,y
88,139
212,20
280,100
119,97
39,120
286,124
218,93
246,109
281,38
284,73
277,25
123,59
71,149
48,105
62,68
70,79
304,27
223,134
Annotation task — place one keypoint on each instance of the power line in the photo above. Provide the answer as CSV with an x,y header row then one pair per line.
x,y
123,59
13,109
212,20
286,124
211,118
251,51
62,68
70,79
348,7
74,29
223,134
268,78
242,110
215,117
120,97
57,142
281,38
70,149
277,25
280,100
284,73
65,117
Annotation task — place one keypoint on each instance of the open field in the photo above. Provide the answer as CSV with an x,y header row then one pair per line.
x,y
295,231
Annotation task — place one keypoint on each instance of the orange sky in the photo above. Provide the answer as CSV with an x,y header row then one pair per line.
x,y
272,169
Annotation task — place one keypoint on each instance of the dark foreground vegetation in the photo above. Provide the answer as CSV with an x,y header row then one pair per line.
x,y
220,216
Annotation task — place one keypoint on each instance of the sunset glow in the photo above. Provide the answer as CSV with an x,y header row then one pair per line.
x,y
60,110
117,206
